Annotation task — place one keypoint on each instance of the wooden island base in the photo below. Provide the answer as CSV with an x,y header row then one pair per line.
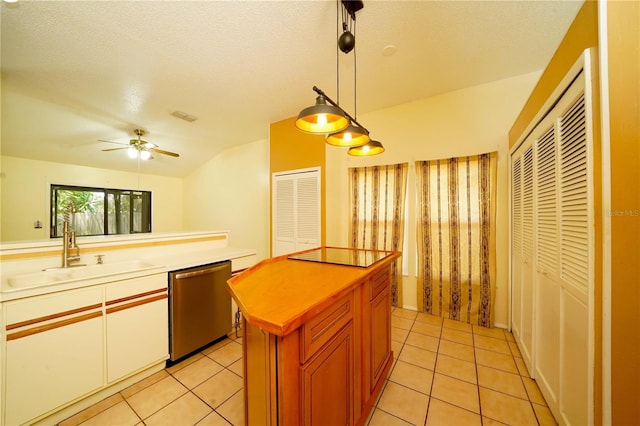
x,y
317,340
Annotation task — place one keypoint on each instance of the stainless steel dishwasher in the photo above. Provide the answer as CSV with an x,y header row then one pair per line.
x,y
199,307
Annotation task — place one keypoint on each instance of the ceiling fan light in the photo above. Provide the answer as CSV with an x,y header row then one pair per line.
x,y
132,152
353,135
321,118
370,148
145,155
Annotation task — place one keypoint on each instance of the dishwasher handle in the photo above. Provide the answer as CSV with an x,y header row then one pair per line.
x,y
199,272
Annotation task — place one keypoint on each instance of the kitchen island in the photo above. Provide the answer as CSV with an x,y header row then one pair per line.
x,y
317,335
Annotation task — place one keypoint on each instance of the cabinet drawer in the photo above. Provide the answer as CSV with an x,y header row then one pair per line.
x,y
321,328
51,306
136,287
378,282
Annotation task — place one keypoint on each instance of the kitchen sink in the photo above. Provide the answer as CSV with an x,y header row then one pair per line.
x,y
77,273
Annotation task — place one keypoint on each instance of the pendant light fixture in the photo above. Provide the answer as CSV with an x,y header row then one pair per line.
x,y
353,134
370,148
332,120
321,118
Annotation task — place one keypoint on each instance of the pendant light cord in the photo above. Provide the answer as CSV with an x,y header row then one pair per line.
x,y
337,51
355,79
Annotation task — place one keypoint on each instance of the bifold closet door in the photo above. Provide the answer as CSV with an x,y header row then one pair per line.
x,y
576,263
551,255
295,211
522,261
548,288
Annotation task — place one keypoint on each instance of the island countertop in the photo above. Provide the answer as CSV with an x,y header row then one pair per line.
x,y
280,294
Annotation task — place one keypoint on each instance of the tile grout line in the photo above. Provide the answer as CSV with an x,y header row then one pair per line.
x,y
213,409
388,379
526,390
132,409
435,365
475,366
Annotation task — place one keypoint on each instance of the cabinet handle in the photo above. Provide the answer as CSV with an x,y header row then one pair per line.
x,y
51,326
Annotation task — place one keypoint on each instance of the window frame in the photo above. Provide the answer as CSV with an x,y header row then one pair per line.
x,y
146,197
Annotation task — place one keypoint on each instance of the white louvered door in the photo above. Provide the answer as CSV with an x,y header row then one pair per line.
x,y
551,224
522,251
547,365
516,246
576,263
296,211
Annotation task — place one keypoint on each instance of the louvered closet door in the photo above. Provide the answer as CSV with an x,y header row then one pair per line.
x,y
522,265
516,246
576,264
551,207
295,211
548,290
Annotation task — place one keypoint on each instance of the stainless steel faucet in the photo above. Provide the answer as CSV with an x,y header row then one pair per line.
x,y
69,244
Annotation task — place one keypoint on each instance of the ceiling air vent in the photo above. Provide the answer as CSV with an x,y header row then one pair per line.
x,y
184,116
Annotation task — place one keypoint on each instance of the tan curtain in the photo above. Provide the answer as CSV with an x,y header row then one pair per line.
x,y
456,237
377,198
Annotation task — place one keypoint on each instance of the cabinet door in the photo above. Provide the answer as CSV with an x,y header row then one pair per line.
x,y
380,332
137,325
54,352
328,378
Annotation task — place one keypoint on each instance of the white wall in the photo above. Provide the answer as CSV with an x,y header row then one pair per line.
x,y
231,192
25,188
464,122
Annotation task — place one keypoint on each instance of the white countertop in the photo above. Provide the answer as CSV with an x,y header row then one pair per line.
x,y
160,265
140,263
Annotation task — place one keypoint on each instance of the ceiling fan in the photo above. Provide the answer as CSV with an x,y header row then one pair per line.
x,y
138,148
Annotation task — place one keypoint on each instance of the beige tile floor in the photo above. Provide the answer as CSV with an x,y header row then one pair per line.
x,y
445,372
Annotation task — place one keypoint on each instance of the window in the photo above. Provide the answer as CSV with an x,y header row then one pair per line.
x,y
456,237
99,211
377,203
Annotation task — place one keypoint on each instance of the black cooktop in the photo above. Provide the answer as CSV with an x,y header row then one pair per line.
x,y
342,256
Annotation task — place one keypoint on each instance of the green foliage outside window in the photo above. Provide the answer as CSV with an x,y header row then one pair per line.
x,y
99,211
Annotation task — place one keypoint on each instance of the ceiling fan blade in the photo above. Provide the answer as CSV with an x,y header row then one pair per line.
x,y
162,151
117,143
115,149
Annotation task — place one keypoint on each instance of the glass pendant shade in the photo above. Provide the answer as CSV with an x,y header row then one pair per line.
x,y
145,155
321,118
353,135
132,152
371,148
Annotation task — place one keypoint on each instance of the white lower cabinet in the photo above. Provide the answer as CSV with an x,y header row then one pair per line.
x,y
54,352
62,347
137,324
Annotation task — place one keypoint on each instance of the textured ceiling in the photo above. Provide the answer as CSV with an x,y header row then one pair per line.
x,y
74,72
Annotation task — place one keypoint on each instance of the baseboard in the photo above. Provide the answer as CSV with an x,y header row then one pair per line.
x,y
409,307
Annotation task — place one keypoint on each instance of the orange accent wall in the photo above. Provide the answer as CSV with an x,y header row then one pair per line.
x,y
291,149
623,22
582,35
